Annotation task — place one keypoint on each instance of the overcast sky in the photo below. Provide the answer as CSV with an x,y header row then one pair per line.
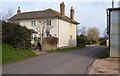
x,y
88,14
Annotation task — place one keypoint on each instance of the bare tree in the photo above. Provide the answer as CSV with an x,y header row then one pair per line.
x,y
43,27
105,33
93,33
0,16
7,15
82,31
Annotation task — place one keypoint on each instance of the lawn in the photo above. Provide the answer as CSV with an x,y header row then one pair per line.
x,y
0,54
10,54
64,49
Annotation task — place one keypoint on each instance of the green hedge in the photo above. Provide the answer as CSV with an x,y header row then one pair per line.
x,y
103,41
81,40
16,35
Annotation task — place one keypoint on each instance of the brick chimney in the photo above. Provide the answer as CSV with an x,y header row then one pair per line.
x,y
72,13
18,11
62,9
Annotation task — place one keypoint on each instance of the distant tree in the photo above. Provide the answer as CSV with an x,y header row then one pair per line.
x,y
77,30
105,33
81,40
82,31
93,34
7,15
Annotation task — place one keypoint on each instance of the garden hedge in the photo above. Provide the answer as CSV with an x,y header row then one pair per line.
x,y
16,35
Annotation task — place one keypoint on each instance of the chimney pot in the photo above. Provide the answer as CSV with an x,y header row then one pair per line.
x,y
72,13
62,9
18,11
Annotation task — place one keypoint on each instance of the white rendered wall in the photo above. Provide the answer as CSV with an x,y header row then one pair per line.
x,y
54,30
65,30
119,4
60,29
73,31
27,23
114,34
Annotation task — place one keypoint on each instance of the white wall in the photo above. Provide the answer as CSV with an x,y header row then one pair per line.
x,y
27,23
114,34
119,4
54,30
65,30
61,29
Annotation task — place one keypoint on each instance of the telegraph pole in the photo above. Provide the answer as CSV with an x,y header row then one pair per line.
x,y
112,3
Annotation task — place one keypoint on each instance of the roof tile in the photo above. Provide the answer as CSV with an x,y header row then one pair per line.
x,y
48,13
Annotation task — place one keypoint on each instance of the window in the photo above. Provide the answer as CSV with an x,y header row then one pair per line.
x,y
70,36
49,22
33,23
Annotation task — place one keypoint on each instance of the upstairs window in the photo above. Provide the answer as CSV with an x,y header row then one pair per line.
x,y
70,36
33,23
49,22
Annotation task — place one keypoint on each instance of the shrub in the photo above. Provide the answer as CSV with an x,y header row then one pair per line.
x,y
88,42
51,40
16,35
103,41
105,53
81,40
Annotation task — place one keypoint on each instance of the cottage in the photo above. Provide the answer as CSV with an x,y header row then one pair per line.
x,y
63,27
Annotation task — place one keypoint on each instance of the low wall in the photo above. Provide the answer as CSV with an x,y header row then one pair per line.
x,y
48,47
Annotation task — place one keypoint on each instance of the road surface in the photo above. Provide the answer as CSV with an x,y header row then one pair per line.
x,y
71,62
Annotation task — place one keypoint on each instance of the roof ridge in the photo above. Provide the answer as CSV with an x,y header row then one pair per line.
x,y
32,11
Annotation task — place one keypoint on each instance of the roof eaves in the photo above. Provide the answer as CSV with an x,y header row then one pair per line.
x,y
113,9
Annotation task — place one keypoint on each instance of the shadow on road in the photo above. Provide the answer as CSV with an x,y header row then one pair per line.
x,y
89,51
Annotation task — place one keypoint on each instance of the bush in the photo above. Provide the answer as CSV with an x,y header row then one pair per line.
x,y
16,35
105,53
103,41
51,40
88,42
81,40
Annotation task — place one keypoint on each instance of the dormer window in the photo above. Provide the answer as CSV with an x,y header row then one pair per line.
x,y
33,23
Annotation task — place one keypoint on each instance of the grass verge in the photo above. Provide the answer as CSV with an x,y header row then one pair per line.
x,y
10,54
105,53
64,49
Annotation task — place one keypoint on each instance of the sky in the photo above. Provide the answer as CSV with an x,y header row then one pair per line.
x,y
87,13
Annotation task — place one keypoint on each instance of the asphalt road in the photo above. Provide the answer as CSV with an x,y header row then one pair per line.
x,y
72,62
